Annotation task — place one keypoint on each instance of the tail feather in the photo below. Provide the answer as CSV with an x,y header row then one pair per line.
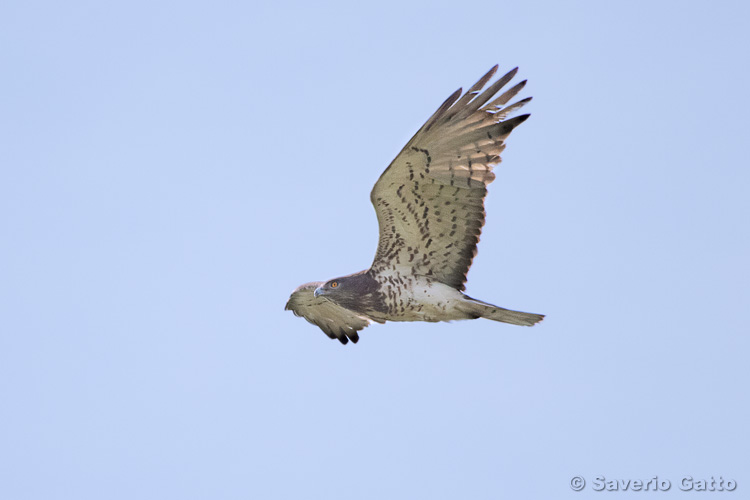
x,y
495,313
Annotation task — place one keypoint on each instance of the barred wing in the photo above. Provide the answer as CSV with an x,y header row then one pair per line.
x,y
430,199
335,321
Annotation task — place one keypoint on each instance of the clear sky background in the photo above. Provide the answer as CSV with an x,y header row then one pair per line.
x,y
171,171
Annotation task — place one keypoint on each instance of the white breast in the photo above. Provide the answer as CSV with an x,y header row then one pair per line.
x,y
416,298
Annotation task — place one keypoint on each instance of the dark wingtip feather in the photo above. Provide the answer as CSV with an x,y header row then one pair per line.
x,y
343,340
507,126
441,110
483,81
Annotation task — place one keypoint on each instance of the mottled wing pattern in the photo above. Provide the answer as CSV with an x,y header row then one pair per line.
x,y
430,199
335,321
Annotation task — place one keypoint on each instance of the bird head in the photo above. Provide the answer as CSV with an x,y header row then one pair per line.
x,y
328,288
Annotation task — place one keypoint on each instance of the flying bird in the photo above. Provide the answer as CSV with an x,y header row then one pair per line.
x,y
430,208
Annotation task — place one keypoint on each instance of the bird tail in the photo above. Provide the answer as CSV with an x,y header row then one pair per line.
x,y
480,309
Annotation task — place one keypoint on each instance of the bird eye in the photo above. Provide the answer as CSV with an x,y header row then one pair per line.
x,y
334,284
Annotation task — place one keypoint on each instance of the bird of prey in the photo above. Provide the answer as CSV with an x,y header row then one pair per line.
x,y
430,208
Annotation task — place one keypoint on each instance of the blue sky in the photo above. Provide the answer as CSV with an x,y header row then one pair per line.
x,y
171,171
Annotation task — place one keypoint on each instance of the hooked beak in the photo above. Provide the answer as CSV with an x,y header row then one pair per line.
x,y
318,291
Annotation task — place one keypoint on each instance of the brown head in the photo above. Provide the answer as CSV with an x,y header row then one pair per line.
x,y
357,292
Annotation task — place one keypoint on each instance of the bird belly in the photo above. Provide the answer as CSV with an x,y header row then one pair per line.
x,y
421,299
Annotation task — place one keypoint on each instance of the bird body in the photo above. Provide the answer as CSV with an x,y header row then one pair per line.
x,y
430,208
407,297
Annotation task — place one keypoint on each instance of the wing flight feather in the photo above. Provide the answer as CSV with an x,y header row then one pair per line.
x,y
430,199
335,321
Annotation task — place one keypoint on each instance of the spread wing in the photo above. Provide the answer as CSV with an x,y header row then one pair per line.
x,y
335,321
430,199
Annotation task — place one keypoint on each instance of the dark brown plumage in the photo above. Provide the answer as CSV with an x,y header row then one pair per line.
x,y
430,208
